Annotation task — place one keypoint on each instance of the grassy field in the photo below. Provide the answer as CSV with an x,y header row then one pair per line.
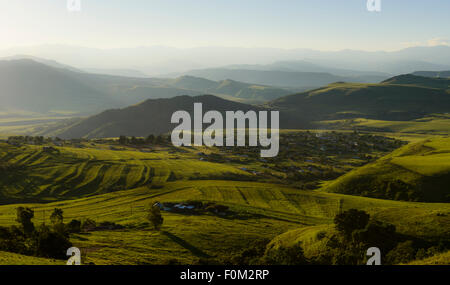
x,y
438,124
18,259
76,172
262,211
116,184
416,172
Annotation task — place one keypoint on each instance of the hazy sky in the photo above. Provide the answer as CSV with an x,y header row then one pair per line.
x,y
316,24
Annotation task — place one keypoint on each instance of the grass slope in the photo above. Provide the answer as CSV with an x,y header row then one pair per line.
x,y
416,172
8,258
262,211
373,101
76,172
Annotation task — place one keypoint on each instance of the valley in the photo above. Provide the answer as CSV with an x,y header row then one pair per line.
x,y
379,150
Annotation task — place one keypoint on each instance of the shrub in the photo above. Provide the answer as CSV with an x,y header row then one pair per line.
x,y
88,225
51,244
402,253
154,216
293,255
351,220
74,226
24,216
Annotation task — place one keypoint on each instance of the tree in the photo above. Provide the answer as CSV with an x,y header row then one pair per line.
x,y
154,216
74,226
123,140
51,244
159,139
57,219
57,216
293,255
24,216
150,139
351,220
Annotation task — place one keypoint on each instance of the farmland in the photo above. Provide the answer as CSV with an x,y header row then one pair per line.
x,y
111,183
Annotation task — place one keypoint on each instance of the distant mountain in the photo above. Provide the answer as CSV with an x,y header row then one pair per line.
x,y
154,60
305,66
235,89
32,86
149,117
39,87
117,72
410,79
443,74
376,101
268,77
48,62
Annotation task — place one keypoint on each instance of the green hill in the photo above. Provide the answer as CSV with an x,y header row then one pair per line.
x,y
443,74
373,101
410,79
416,172
8,258
30,173
260,211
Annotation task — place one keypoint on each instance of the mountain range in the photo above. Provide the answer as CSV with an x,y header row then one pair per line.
x,y
43,86
157,60
404,97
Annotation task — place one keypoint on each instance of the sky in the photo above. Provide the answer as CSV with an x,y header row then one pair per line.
x,y
286,24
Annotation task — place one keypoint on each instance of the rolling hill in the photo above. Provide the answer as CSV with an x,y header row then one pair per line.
x,y
42,86
382,101
235,89
416,172
149,117
262,211
410,79
441,74
32,86
276,78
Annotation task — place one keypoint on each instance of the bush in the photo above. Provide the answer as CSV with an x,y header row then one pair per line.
x,y
51,244
402,253
24,216
351,220
88,225
154,216
293,255
74,226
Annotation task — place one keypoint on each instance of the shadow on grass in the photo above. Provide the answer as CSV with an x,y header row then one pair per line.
x,y
196,251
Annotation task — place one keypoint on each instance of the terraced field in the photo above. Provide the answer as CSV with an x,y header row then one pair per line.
x,y
76,172
262,211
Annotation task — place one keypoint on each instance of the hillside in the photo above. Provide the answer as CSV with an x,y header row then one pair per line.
x,y
33,174
373,101
442,74
42,86
416,172
410,79
236,89
32,86
8,258
257,215
269,77
149,117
